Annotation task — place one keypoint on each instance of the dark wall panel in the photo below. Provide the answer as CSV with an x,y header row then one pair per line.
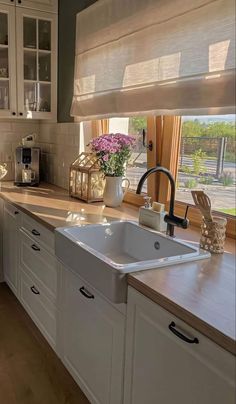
x,y
66,52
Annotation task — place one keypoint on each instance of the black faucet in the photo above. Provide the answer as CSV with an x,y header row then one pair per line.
x,y
170,218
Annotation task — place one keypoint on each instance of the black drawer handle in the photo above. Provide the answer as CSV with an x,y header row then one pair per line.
x,y
182,336
86,293
34,290
16,212
35,247
35,232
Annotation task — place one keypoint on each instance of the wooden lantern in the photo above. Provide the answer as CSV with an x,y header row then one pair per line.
x,y
86,180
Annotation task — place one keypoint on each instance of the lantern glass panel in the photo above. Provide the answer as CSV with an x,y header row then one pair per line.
x,y
84,185
78,183
72,181
97,185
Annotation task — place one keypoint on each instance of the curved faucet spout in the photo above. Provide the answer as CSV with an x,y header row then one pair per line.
x,y
171,219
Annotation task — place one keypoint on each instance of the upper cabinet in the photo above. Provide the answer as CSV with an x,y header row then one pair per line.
x,y
7,61
43,5
37,62
28,37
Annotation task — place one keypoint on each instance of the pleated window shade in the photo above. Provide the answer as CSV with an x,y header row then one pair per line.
x,y
154,57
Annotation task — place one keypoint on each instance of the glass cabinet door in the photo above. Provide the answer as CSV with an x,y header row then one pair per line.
x,y
38,47
6,62
37,64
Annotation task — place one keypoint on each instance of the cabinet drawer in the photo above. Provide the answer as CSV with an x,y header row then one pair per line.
x,y
38,232
39,307
13,211
39,264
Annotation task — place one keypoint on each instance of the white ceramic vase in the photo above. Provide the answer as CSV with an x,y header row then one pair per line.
x,y
113,192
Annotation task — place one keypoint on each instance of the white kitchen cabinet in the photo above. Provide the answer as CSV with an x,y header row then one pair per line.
x,y
29,37
11,217
93,340
162,368
9,2
43,5
39,307
8,102
37,63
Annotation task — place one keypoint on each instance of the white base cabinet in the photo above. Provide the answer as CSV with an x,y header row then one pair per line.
x,y
162,368
11,217
93,341
165,360
38,277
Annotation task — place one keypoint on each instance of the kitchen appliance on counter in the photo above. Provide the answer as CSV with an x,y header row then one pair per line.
x,y
27,161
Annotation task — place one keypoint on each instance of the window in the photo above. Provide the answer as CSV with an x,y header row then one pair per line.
x,y
199,152
207,160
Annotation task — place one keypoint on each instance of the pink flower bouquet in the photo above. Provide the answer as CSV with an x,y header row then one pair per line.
x,y
113,151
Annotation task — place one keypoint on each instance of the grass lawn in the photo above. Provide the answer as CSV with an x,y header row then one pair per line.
x,y
229,211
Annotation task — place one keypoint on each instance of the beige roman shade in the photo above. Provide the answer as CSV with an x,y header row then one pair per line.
x,y
154,57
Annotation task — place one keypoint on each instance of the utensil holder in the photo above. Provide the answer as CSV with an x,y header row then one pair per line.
x,y
213,235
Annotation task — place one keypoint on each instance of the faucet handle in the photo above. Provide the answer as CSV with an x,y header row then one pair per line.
x,y
186,212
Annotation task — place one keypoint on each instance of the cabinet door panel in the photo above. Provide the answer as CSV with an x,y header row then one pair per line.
x,y
166,369
7,61
8,2
43,5
36,68
93,342
10,246
39,307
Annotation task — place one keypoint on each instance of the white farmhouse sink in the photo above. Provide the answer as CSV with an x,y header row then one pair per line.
x,y
102,254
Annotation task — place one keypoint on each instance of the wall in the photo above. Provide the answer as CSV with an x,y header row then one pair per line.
x,y
11,133
60,145
66,54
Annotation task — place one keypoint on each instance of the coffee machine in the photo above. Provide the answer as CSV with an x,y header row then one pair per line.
x,y
27,161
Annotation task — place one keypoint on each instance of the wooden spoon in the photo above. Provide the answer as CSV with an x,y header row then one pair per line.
x,y
203,203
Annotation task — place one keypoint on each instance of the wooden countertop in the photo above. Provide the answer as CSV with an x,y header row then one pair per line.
x,y
201,293
53,207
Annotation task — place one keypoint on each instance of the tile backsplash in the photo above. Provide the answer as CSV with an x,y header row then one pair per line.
x,y
60,145
11,133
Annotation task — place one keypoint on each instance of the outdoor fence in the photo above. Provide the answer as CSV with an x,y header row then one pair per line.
x,y
218,153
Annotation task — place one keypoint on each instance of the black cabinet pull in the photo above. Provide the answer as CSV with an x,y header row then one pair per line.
x,y
16,212
34,290
13,113
35,247
19,1
86,293
182,336
21,113
35,232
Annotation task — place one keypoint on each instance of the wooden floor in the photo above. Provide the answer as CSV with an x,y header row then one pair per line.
x,y
30,372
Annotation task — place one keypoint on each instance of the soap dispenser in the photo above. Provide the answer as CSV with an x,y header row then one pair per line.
x,y
152,215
